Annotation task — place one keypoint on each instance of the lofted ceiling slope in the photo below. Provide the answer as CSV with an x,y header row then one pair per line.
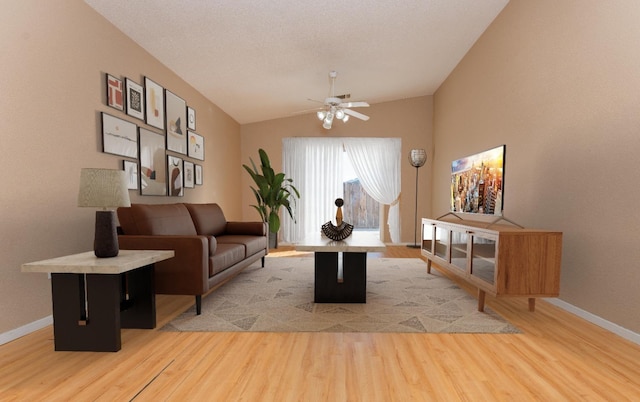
x,y
261,60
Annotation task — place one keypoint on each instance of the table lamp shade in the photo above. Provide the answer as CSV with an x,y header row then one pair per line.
x,y
104,188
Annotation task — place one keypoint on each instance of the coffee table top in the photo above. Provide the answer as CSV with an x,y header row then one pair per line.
x,y
358,242
88,263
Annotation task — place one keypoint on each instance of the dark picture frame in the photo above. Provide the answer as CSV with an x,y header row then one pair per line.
x,y
176,122
119,137
154,99
135,99
153,163
195,146
189,174
175,176
198,170
191,118
131,171
115,92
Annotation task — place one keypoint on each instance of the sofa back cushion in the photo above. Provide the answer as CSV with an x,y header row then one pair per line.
x,y
208,219
159,219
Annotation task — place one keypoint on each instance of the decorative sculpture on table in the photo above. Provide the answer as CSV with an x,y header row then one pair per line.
x,y
342,230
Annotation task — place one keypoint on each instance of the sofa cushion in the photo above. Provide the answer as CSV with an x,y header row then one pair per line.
x,y
158,219
251,244
208,219
226,255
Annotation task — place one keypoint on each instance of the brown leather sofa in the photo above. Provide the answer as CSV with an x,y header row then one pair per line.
x,y
208,249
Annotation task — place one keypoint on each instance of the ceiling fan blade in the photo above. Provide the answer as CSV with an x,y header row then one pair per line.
x,y
308,110
315,100
355,114
354,104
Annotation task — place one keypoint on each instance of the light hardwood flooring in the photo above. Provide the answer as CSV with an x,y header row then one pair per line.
x,y
558,357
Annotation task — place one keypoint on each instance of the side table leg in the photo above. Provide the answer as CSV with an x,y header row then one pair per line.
x,y
139,310
99,330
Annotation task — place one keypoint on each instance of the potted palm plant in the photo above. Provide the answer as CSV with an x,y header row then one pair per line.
x,y
272,191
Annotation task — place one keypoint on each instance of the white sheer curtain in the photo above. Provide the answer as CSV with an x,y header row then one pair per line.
x,y
376,162
315,165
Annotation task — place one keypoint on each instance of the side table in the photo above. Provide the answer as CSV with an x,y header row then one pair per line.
x,y
93,298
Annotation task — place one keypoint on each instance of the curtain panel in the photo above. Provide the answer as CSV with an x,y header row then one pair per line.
x,y
376,162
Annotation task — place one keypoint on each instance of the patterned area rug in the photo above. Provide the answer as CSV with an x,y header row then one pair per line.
x,y
401,297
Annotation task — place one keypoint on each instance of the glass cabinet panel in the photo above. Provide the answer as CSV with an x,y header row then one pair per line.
x,y
483,261
442,241
459,249
427,237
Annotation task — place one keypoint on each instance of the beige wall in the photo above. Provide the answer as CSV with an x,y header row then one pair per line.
x,y
55,54
559,83
409,119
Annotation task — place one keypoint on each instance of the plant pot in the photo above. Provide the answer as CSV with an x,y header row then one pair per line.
x,y
273,240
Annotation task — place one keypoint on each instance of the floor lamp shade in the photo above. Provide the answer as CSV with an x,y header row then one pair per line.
x,y
106,189
417,158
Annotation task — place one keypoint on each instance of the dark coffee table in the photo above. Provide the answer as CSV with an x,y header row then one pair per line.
x,y
341,266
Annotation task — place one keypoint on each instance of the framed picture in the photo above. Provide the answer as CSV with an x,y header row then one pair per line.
x,y
198,175
176,123
119,137
115,93
153,163
135,99
154,97
196,146
189,174
175,176
131,170
191,118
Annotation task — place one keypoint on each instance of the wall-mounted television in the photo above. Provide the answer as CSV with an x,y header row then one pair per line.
x,y
477,183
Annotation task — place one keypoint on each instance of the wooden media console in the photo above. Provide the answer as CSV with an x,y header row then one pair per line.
x,y
500,260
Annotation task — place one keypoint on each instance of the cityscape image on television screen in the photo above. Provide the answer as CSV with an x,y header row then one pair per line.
x,y
477,182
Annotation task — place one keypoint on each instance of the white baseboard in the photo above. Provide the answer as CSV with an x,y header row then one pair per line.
x,y
594,319
25,330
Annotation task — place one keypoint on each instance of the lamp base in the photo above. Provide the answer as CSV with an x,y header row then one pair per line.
x,y
105,244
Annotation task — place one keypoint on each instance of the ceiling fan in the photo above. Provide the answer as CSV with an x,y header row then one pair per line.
x,y
336,108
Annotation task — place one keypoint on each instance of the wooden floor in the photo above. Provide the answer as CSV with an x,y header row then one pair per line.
x,y
558,357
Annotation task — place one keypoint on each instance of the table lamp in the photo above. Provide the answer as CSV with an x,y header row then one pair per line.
x,y
104,188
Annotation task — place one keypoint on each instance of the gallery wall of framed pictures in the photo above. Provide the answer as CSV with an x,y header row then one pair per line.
x,y
164,150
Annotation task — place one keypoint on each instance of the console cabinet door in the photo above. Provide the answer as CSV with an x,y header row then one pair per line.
x,y
428,234
484,253
441,244
460,250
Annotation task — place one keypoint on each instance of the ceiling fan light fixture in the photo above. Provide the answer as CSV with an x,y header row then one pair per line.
x,y
321,115
329,118
326,124
340,114
345,118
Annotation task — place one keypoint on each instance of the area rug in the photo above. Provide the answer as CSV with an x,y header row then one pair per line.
x,y
401,297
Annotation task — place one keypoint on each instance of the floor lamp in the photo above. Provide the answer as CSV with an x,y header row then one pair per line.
x,y
417,158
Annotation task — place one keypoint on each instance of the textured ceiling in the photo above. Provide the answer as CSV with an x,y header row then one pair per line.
x,y
260,60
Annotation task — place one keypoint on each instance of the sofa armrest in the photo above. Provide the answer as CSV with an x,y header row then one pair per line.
x,y
187,272
246,228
